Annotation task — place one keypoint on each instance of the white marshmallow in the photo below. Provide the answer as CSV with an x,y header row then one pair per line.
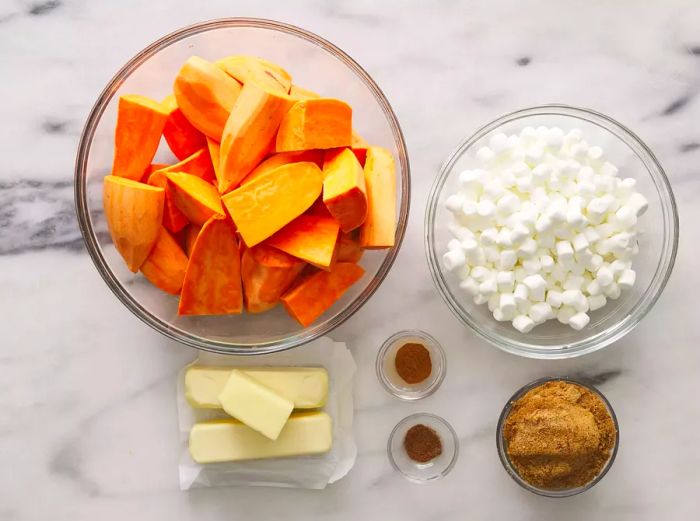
x,y
494,299
498,143
625,188
540,312
604,276
505,281
519,232
527,248
543,224
608,169
579,321
486,208
595,153
596,302
554,298
573,282
453,259
523,323
488,236
536,286
520,294
454,245
565,252
455,202
504,238
580,243
480,299
627,279
508,203
575,299
532,265
480,273
507,259
470,285
593,288
555,137
485,155
458,231
638,203
613,291
546,263
565,313
507,305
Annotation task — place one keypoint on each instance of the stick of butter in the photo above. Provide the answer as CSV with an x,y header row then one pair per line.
x,y
229,440
256,405
307,387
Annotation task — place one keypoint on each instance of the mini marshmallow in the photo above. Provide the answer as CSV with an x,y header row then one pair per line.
x,y
504,238
494,299
591,234
575,299
608,169
618,266
554,298
573,282
546,263
593,288
458,231
536,286
519,232
520,293
596,302
595,153
540,312
498,143
625,217
565,252
555,137
469,208
579,321
638,203
524,184
613,291
469,246
454,245
507,259
470,285
486,208
543,224
453,259
507,304
542,172
604,276
494,189
491,254
480,273
532,265
527,248
505,280
596,210
500,316
480,299
565,313
508,203
455,202
523,323
485,155
625,188
580,243
576,268
488,236
627,279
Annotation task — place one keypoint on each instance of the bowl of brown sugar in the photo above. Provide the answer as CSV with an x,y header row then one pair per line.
x,y
557,437
411,365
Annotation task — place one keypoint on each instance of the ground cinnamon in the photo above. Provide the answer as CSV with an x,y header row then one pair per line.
x,y
422,443
559,435
413,363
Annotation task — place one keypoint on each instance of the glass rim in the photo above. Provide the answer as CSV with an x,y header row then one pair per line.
x,y
90,237
646,300
501,446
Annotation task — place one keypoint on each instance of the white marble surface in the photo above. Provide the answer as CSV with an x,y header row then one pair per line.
x,y
87,413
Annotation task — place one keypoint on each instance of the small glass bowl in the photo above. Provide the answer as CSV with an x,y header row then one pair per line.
x,y
432,470
390,379
502,449
658,242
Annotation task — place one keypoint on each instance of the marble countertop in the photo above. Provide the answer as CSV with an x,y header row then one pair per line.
x,y
87,412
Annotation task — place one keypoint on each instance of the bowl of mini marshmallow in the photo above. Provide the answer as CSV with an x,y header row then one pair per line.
x,y
552,231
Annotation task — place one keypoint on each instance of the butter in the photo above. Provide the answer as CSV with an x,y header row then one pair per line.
x,y
307,387
229,440
256,405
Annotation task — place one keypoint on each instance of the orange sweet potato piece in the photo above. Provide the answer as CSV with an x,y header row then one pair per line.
x,y
249,132
319,209
205,94
181,136
301,93
212,284
150,169
266,273
273,200
194,197
173,219
309,238
191,233
214,154
166,264
359,147
344,192
199,164
380,177
247,69
315,123
284,158
312,296
140,123
349,248
134,212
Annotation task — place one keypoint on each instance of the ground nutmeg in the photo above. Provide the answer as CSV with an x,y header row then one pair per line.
x,y
422,443
413,363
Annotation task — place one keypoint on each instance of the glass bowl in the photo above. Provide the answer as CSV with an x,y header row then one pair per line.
x,y
658,241
432,470
502,449
390,379
314,63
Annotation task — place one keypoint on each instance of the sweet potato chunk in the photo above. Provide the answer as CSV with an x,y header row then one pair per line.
x,y
181,136
191,234
273,200
248,69
344,192
284,158
311,297
359,147
194,197
266,273
349,249
380,177
140,123
212,284
173,219
205,94
134,212
319,209
309,238
301,93
315,123
166,264
199,164
214,154
150,169
249,132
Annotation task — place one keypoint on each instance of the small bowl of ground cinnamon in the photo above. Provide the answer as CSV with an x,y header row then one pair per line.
x,y
423,447
411,365
557,437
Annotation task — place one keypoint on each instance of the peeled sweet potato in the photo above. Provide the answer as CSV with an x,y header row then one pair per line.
x,y
248,69
349,249
150,169
311,297
199,164
181,136
344,192
249,132
134,212
173,219
320,123
214,154
359,147
166,264
212,284
301,93
273,200
284,158
266,273
319,209
309,238
140,122
194,197
379,228
191,233
205,95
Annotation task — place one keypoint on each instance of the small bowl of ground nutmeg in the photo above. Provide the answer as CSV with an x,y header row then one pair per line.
x,y
557,437
423,447
411,365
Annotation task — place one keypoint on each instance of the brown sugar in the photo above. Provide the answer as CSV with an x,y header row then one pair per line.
x,y
422,443
413,363
559,435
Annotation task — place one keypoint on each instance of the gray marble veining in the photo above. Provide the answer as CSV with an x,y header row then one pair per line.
x,y
87,413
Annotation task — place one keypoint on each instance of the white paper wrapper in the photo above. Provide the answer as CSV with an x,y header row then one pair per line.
x,y
312,472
